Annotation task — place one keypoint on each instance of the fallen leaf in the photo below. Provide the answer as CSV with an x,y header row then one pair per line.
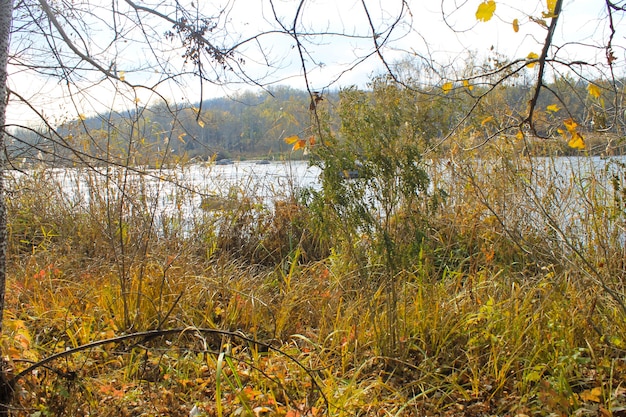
x,y
593,395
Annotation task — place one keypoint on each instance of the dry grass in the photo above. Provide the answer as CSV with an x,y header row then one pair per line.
x,y
504,311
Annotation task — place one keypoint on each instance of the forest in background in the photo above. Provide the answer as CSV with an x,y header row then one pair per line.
x,y
254,124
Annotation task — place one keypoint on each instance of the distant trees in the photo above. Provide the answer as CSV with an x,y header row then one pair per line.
x,y
252,124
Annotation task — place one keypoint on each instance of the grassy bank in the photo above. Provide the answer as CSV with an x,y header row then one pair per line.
x,y
499,291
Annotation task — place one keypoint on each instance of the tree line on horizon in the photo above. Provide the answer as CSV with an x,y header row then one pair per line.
x,y
254,124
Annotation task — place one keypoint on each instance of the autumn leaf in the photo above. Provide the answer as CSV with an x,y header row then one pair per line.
x,y
593,90
593,395
467,85
485,11
531,57
447,87
122,76
291,139
312,140
515,25
201,123
552,108
299,144
82,117
181,137
519,135
551,7
486,120
576,141
570,125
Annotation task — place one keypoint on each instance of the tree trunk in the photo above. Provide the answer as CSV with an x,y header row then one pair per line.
x,y
6,11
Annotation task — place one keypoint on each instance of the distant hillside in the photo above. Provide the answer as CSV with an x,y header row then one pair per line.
x,y
253,125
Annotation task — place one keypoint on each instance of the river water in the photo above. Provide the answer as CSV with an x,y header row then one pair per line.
x,y
197,188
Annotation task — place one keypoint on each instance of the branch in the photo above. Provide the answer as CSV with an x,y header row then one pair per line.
x,y
152,334
542,66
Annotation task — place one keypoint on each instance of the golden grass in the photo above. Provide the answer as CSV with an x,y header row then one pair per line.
x,y
484,324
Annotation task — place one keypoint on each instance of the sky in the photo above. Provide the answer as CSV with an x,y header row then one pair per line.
x,y
342,52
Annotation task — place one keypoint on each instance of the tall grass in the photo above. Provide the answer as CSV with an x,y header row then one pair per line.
x,y
498,291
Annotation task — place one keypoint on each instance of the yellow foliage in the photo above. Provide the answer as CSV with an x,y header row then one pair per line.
x,y
467,85
551,7
592,395
516,25
593,90
201,123
291,139
447,87
299,144
570,125
486,120
531,57
576,141
122,76
485,11
553,108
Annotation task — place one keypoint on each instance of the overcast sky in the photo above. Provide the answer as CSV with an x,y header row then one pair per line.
x,y
335,59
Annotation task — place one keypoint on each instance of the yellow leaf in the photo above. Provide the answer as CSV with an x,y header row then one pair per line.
x,y
299,144
593,395
515,25
447,87
82,117
181,137
553,108
531,57
593,90
137,100
292,139
201,123
312,140
520,135
617,341
122,75
576,141
551,6
467,85
485,11
486,120
570,125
